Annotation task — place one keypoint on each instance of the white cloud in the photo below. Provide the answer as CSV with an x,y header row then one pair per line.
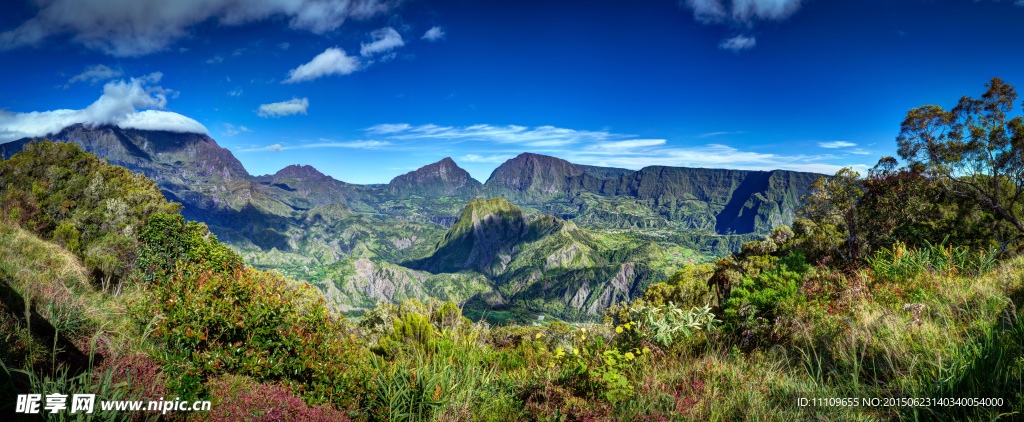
x,y
741,11
738,43
325,143
542,136
384,39
602,148
628,146
284,45
496,158
710,134
96,73
231,130
740,14
331,61
436,33
237,92
284,108
215,59
119,105
142,27
836,144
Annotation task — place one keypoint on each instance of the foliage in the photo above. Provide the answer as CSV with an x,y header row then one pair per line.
x,y
58,190
760,298
166,239
976,146
901,263
250,323
831,208
661,324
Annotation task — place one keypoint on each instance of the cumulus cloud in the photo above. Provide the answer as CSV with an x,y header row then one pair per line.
x,y
738,43
275,148
94,74
119,105
836,144
384,39
284,108
332,61
436,33
237,92
140,27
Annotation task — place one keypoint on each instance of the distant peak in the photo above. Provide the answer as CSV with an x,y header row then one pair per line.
x,y
299,171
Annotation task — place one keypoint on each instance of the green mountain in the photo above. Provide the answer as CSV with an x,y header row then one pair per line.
x,y
555,237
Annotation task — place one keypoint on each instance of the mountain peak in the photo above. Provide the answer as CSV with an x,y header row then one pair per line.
x,y
443,178
533,172
299,171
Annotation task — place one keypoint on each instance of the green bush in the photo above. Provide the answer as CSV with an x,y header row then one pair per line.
x,y
251,323
166,239
766,294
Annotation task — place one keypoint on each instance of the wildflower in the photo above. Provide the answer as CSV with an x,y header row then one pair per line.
x,y
618,329
539,335
646,350
629,355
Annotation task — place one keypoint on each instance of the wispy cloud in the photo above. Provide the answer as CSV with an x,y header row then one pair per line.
x,y
237,92
284,108
738,43
494,158
324,143
384,39
333,61
140,27
836,144
742,14
542,136
231,130
436,33
601,148
97,73
710,134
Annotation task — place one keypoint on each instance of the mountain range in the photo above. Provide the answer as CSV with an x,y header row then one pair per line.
x,y
540,235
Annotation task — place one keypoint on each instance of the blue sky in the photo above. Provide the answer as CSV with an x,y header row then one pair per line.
x,y
365,90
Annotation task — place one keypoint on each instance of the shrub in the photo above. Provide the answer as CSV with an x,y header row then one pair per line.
x,y
251,323
166,239
758,299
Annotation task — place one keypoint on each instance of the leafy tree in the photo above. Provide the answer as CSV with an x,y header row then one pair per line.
x,y
831,208
976,147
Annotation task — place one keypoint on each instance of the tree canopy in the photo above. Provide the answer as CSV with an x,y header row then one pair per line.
x,y
976,146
